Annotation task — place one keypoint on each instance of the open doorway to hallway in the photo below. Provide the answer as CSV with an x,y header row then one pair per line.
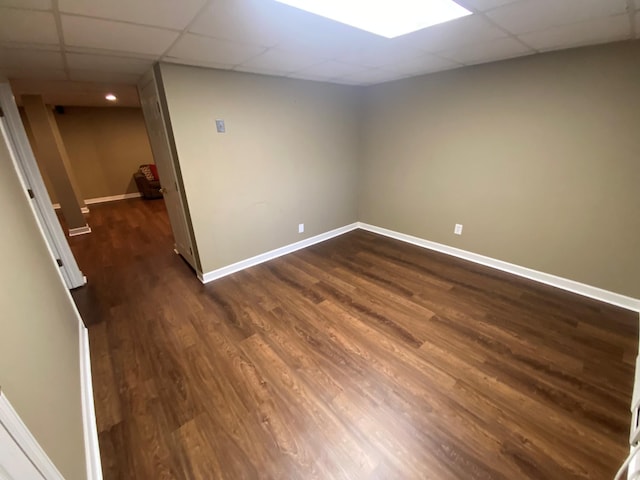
x,y
101,145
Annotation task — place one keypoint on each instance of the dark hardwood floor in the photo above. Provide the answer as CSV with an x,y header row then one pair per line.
x,y
358,358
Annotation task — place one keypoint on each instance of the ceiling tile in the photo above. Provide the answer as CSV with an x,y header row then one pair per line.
x,y
115,36
372,76
198,63
100,63
483,5
378,53
251,21
593,31
199,48
28,4
92,76
102,52
30,59
532,15
269,23
332,69
498,49
258,70
424,64
174,14
283,61
27,26
313,78
446,36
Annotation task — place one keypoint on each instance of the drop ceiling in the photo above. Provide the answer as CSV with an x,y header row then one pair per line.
x,y
116,41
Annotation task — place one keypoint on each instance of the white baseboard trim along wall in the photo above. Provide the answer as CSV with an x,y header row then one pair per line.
x,y
278,252
112,198
91,447
79,231
546,278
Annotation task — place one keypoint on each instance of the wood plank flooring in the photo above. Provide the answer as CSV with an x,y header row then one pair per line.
x,y
358,358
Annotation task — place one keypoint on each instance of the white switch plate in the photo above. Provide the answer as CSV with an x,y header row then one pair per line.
x,y
458,229
301,228
220,126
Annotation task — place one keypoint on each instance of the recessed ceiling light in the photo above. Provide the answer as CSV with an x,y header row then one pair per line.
x,y
111,97
388,18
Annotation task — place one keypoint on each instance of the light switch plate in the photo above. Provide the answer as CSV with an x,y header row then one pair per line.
x,y
220,126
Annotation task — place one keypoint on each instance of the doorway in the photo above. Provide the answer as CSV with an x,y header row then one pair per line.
x,y
163,155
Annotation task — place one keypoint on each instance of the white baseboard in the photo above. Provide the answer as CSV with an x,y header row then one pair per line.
x,y
79,231
112,198
56,206
90,428
546,278
26,441
278,252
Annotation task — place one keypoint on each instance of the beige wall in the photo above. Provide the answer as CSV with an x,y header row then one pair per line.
x,y
39,336
288,157
538,158
105,146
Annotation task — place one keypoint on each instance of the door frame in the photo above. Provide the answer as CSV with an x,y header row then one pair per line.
x,y
15,427
25,162
151,78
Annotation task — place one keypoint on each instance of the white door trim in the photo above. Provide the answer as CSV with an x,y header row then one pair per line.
x,y
19,147
12,422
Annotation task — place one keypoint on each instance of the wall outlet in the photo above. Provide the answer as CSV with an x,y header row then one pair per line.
x,y
458,229
220,126
301,228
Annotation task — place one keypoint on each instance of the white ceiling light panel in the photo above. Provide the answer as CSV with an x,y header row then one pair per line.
x,y
387,18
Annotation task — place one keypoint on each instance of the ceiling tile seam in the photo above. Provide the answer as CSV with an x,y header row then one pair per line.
x,y
228,40
565,25
571,24
40,47
509,33
125,22
58,21
25,9
252,57
442,57
287,72
364,68
346,76
105,52
185,30
631,10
